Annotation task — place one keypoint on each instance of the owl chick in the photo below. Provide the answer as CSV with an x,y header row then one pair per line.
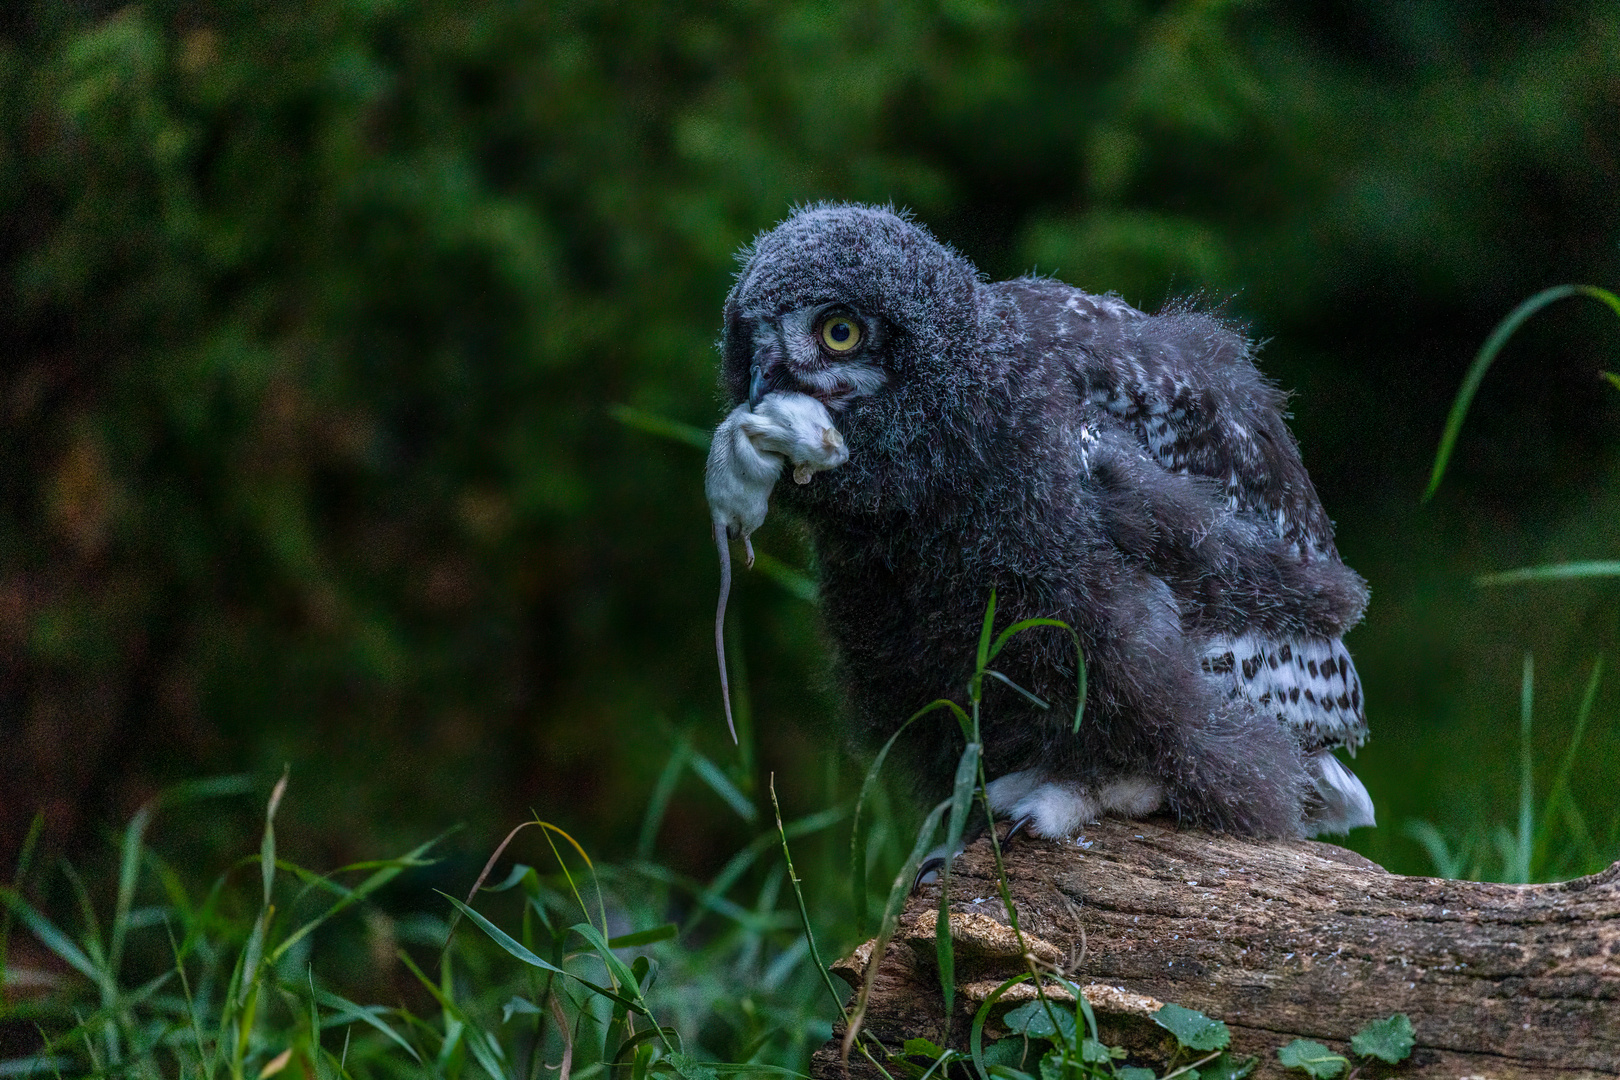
x,y
746,457
1129,474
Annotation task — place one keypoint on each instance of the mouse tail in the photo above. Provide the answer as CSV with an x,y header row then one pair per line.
x,y
721,541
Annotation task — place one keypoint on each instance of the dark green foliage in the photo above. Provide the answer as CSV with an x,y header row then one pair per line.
x,y
263,970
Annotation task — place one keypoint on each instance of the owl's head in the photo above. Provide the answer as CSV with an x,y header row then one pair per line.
x,y
843,302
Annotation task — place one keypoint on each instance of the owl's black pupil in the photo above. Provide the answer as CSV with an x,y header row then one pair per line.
x,y
839,331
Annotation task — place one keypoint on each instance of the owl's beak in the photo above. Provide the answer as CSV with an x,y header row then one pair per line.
x,y
767,358
756,384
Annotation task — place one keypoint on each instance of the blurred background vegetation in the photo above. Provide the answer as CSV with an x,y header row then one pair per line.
x,y
314,313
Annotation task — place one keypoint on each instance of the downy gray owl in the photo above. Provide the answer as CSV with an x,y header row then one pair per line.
x,y
1129,474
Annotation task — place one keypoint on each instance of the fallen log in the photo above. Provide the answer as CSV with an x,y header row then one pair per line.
x,y
1279,939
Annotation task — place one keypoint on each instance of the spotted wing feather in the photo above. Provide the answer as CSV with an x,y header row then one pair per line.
x,y
1184,383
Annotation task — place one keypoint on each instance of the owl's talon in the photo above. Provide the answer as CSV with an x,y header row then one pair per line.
x,y
1020,826
931,865
748,546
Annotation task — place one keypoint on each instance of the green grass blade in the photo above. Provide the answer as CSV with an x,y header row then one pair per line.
x,y
999,677
1476,375
891,917
1482,362
48,935
1552,572
798,896
1559,790
719,783
663,792
1079,658
516,948
389,871
666,932
662,426
984,640
976,1032
620,971
1527,696
483,1046
503,939
129,867
25,859
1602,296
267,845
857,841
368,1016
1446,864
967,774
795,582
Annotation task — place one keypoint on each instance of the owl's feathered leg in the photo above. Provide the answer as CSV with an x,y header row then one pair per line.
x,y
1058,809
1157,732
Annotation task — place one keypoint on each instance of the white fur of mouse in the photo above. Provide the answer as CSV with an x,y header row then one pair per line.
x,y
746,457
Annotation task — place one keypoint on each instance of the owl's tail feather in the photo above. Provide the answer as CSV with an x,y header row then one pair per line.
x,y
1341,802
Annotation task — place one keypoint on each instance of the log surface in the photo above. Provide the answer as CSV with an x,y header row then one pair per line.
x,y
1281,940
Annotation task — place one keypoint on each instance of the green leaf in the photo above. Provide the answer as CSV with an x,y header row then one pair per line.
x,y
518,873
1388,1040
644,937
1226,1067
1318,1061
1095,1052
487,1050
48,935
922,1048
689,1067
1008,1053
1135,1072
1193,1029
519,1006
1003,1072
1041,1020
999,677
1079,657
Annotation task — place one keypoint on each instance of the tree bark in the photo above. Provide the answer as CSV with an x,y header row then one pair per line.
x,y
1279,939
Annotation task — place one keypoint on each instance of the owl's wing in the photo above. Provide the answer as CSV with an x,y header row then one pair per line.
x,y
1184,382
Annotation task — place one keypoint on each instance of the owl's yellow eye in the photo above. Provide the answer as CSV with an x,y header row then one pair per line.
x,y
840,333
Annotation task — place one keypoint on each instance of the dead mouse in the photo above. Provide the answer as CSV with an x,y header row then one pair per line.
x,y
746,457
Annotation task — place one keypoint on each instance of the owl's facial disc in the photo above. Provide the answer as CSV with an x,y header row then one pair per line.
x,y
831,352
